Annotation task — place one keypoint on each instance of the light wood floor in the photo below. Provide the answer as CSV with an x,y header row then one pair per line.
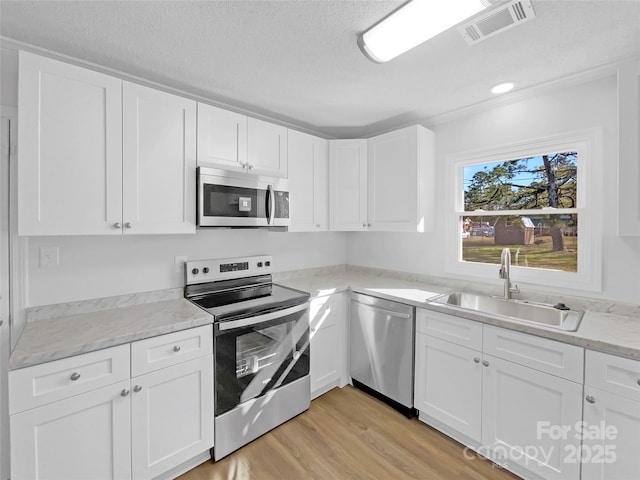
x,y
347,434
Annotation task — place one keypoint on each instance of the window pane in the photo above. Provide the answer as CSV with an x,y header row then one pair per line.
x,y
538,241
526,183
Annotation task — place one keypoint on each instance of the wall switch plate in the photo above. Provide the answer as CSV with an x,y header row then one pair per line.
x,y
49,257
179,262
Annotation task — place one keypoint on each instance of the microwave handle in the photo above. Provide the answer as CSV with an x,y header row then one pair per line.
x,y
270,206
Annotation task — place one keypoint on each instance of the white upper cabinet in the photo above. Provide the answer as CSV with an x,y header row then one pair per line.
x,y
308,172
102,156
232,141
266,148
222,138
159,161
348,185
628,164
70,144
400,180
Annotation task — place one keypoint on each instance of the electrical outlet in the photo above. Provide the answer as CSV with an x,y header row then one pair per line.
x,y
179,262
49,257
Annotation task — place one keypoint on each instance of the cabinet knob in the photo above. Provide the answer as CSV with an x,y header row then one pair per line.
x,y
124,392
117,225
176,348
137,388
364,225
75,376
590,399
368,225
249,166
638,379
317,225
128,225
485,363
476,359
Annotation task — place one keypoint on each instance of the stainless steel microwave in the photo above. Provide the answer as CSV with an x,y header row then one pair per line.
x,y
234,199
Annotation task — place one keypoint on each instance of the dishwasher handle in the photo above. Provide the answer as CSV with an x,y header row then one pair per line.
x,y
384,310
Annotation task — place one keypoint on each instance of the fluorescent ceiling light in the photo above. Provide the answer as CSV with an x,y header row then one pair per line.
x,y
502,87
414,23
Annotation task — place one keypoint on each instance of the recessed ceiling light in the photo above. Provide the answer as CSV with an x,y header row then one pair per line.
x,y
502,87
414,23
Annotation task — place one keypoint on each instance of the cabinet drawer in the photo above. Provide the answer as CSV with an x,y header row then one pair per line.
x,y
556,358
166,350
49,382
613,374
448,327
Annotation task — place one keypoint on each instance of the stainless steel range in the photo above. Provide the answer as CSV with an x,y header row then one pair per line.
x,y
261,347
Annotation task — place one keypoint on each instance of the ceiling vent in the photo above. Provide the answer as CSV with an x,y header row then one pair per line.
x,y
497,20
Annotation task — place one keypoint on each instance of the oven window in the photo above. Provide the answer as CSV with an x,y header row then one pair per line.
x,y
251,360
227,201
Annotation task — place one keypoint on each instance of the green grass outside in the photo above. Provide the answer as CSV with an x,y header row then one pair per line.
x,y
483,250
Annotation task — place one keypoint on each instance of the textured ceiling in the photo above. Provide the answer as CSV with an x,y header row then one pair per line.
x,y
298,60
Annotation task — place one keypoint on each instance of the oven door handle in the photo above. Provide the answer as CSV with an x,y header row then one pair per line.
x,y
244,322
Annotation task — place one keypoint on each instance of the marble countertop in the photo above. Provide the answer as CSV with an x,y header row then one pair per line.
x,y
68,335
607,332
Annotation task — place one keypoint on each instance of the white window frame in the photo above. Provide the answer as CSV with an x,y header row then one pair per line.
x,y
589,205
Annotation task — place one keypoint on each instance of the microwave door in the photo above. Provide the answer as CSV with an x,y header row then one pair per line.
x,y
228,205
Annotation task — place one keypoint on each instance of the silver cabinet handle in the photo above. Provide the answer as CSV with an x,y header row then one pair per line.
x,y
75,376
317,225
250,166
485,363
364,225
368,225
128,225
638,379
176,348
117,225
137,388
124,392
590,399
477,360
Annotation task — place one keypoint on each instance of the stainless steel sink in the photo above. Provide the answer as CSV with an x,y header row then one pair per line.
x,y
555,316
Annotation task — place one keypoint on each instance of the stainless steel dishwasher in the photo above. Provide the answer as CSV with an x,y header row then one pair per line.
x,y
382,350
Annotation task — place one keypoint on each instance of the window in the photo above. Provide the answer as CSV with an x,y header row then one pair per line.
x,y
541,200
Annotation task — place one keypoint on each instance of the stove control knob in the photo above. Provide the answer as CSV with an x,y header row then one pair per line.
x,y
205,270
267,264
195,271
259,264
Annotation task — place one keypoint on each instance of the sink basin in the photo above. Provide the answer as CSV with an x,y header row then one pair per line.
x,y
518,310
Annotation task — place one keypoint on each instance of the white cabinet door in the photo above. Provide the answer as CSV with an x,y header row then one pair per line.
x,y
328,327
159,162
172,416
448,384
83,437
222,138
400,180
615,455
348,185
629,134
266,148
308,170
70,144
518,405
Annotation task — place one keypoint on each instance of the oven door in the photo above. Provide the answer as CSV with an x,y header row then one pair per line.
x,y
257,354
251,201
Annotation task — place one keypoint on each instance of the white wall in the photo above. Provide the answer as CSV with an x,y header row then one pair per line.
x,y
580,107
92,267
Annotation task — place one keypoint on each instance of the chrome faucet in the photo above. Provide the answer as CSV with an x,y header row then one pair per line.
x,y
505,273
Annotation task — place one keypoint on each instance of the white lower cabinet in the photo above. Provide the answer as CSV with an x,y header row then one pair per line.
x,y
449,384
612,415
506,409
521,410
122,427
87,436
328,331
169,411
